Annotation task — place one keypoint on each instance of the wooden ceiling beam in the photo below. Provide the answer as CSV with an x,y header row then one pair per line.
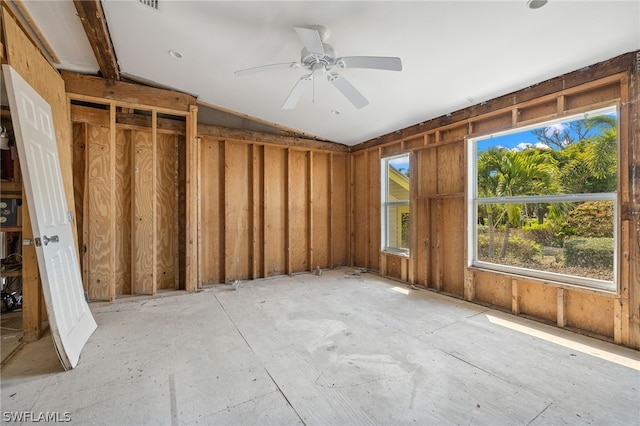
x,y
95,25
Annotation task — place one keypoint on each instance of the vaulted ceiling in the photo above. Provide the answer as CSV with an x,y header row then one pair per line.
x,y
454,53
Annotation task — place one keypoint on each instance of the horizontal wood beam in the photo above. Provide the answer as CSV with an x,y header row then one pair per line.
x,y
247,135
100,117
97,87
95,26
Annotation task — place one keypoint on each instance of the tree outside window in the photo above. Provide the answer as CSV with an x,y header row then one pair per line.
x,y
544,200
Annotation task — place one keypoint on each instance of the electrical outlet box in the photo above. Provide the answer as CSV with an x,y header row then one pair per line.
x,y
8,212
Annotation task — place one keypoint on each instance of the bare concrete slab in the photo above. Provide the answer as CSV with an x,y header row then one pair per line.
x,y
330,350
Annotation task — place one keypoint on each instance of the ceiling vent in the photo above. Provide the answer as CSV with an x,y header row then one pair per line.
x,y
151,3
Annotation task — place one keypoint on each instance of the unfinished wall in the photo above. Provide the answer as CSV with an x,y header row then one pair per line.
x,y
132,186
139,193
438,204
268,208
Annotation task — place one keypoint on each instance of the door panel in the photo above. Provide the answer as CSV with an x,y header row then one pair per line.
x,y
70,319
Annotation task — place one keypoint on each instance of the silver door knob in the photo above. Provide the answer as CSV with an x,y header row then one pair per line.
x,y
52,239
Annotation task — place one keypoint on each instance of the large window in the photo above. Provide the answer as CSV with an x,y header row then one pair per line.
x,y
543,200
395,203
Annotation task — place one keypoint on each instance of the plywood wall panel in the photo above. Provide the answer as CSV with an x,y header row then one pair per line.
x,y
298,211
281,207
394,265
257,210
415,142
238,254
451,168
339,211
435,231
493,124
590,312
392,149
320,213
142,231
374,208
212,213
594,96
537,111
360,209
453,262
453,133
493,289
99,236
275,210
421,255
182,213
123,212
537,300
427,177
167,266
79,132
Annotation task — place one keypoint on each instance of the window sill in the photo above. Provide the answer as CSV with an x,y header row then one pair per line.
x,y
547,281
404,254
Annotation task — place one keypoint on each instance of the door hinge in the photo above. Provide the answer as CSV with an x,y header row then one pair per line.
x,y
69,216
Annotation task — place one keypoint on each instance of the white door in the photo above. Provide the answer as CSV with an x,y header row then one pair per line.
x,y
70,319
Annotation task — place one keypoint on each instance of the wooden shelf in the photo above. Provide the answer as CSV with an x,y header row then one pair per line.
x,y
7,274
11,228
11,188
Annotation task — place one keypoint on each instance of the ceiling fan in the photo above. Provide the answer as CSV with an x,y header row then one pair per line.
x,y
319,58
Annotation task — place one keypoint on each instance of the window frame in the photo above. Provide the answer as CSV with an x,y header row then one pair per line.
x,y
473,201
386,204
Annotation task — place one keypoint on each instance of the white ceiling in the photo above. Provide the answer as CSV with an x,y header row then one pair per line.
x,y
454,53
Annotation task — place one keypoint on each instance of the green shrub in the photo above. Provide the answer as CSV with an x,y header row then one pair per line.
x,y
544,234
518,248
592,219
589,252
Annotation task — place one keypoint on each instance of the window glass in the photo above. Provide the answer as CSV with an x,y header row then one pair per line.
x,y
545,200
395,200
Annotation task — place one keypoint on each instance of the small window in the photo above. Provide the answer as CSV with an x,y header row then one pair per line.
x,y
395,203
543,200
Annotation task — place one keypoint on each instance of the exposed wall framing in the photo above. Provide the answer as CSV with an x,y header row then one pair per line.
x,y
270,208
130,179
438,245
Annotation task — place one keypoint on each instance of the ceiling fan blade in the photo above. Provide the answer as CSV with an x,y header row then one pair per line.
x,y
311,39
373,62
297,91
266,68
349,92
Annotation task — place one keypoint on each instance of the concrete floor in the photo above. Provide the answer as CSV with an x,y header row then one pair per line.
x,y
327,350
10,332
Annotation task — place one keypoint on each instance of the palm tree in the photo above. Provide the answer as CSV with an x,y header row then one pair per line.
x,y
601,152
504,173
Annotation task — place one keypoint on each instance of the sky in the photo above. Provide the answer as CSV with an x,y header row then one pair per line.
x,y
526,139
400,163
510,141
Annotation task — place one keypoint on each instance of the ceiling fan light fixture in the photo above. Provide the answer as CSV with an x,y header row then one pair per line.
x,y
319,58
536,4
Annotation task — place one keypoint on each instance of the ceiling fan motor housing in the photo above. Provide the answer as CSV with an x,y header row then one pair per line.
x,y
309,59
